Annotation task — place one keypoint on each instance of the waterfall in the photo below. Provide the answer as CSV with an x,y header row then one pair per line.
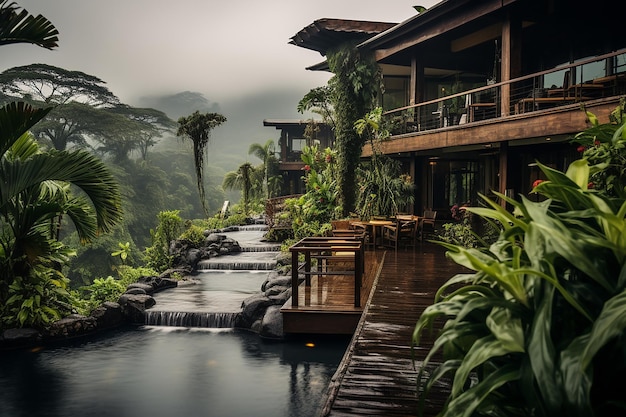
x,y
213,297
190,319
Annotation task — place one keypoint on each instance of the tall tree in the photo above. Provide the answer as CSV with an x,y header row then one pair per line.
x,y
78,101
149,124
126,129
54,85
197,127
355,83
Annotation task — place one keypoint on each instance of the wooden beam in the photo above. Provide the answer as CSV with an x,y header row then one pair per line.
x,y
444,25
480,36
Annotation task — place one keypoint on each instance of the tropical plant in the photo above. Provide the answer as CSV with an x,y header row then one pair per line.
x,y
105,289
383,189
538,328
123,251
271,175
34,196
319,101
197,127
603,145
168,228
311,213
36,300
247,180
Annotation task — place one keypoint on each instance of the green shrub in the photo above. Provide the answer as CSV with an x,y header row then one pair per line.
x,y
168,229
36,301
105,289
194,234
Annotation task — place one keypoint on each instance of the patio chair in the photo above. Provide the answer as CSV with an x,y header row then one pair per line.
x,y
427,223
404,231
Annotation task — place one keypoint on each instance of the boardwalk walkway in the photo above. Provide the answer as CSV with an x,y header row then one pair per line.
x,y
377,376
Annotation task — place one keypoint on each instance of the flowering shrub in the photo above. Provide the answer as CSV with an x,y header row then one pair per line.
x,y
312,212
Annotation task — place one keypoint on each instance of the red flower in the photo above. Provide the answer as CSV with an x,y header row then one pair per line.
x,y
537,182
307,168
596,142
581,149
590,185
328,158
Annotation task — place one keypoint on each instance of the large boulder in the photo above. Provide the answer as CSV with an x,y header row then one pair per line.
x,y
72,326
272,324
252,309
17,338
108,315
154,284
134,307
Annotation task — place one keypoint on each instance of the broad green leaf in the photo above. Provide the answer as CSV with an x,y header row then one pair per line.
x,y
576,381
541,350
507,329
610,323
484,349
468,402
578,172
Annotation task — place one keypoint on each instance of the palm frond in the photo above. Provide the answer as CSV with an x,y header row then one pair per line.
x,y
21,27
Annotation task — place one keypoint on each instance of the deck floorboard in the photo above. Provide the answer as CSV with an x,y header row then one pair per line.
x,y
378,376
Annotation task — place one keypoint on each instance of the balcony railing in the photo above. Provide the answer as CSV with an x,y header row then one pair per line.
x,y
567,84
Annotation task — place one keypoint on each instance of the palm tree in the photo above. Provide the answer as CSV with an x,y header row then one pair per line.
x,y
267,154
198,127
243,179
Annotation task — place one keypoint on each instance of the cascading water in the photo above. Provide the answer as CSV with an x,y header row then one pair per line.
x,y
212,298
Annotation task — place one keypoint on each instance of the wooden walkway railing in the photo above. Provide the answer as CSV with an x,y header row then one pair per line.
x,y
346,251
377,376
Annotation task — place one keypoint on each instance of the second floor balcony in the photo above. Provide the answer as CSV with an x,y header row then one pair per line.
x,y
596,80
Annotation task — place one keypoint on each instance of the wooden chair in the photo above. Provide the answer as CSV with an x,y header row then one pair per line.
x,y
404,231
427,223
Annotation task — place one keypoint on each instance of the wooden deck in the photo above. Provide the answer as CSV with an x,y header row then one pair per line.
x,y
377,375
327,306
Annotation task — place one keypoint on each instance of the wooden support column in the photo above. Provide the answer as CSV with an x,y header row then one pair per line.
x,y
416,88
503,169
510,62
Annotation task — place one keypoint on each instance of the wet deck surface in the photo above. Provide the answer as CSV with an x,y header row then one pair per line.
x,y
377,376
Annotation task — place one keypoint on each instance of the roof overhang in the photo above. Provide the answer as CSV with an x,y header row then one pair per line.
x,y
324,34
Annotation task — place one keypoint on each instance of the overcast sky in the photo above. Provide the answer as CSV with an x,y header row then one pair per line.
x,y
220,48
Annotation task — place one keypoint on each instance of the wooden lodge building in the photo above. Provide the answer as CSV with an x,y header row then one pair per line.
x,y
478,90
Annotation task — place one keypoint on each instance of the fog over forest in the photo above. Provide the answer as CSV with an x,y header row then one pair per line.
x,y
230,142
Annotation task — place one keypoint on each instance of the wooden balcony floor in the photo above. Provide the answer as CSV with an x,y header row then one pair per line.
x,y
327,306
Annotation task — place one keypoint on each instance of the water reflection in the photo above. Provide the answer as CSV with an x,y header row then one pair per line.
x,y
156,371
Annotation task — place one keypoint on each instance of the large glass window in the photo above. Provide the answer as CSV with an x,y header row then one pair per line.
x,y
396,93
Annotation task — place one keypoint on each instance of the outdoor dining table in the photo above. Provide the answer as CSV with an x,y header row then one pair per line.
x,y
376,226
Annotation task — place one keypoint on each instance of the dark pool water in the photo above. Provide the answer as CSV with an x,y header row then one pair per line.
x,y
170,372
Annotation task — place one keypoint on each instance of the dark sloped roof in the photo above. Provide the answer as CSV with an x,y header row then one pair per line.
x,y
324,34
